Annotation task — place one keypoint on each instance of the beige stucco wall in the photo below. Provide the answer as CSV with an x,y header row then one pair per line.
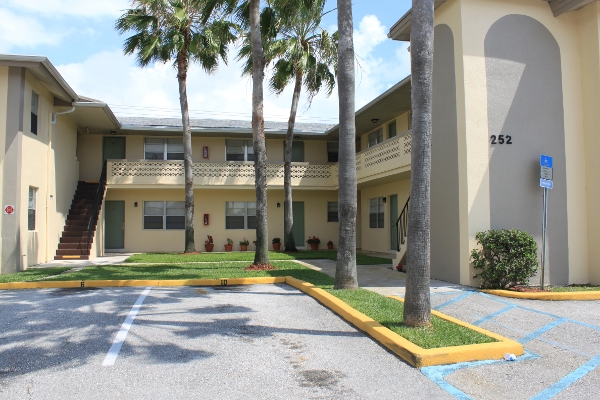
x,y
89,154
470,20
589,35
62,179
378,239
212,202
3,105
34,172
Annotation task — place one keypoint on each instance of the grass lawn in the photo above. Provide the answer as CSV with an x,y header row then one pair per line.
x,y
575,288
384,310
32,274
361,259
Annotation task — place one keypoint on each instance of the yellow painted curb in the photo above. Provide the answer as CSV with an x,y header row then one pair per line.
x,y
408,351
550,296
40,285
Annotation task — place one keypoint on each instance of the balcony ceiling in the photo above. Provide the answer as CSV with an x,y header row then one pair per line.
x,y
390,104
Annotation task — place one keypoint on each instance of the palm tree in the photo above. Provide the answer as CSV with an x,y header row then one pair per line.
x,y
417,305
261,257
345,270
175,30
305,53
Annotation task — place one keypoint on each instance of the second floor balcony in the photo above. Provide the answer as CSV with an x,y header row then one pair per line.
x,y
385,159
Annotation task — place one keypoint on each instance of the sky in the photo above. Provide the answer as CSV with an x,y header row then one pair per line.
x,y
79,38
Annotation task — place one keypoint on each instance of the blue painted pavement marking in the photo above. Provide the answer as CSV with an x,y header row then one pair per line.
x,y
493,315
495,298
542,330
438,373
454,300
568,380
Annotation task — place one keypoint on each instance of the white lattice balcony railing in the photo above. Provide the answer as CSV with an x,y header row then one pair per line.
x,y
387,158
146,172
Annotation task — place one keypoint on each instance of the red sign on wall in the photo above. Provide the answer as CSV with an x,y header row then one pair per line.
x,y
9,210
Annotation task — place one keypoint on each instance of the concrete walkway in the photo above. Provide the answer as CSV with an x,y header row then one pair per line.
x,y
107,259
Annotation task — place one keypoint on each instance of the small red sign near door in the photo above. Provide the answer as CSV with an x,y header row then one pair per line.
x,y
9,210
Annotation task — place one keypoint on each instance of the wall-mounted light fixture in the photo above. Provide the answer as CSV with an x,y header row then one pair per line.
x,y
278,205
296,137
113,132
374,120
384,199
135,204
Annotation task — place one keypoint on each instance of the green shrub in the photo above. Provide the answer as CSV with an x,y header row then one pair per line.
x,y
507,258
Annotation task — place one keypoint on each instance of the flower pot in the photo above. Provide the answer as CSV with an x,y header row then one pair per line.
x,y
209,247
228,247
276,246
314,246
243,248
329,247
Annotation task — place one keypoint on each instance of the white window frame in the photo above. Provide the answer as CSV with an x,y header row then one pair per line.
x,y
247,145
380,210
379,137
165,149
164,216
245,228
32,205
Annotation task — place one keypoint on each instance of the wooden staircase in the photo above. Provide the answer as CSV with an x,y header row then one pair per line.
x,y
73,242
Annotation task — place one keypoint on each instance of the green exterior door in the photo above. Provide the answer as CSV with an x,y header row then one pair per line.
x,y
114,225
393,219
113,148
298,212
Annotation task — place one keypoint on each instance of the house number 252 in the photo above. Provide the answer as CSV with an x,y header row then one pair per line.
x,y
501,139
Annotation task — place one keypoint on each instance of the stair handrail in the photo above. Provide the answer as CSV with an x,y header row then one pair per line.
x,y
96,207
402,226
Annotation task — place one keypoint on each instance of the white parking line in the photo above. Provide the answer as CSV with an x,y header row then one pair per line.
x,y
114,350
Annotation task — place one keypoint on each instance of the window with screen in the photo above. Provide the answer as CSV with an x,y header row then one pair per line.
x,y
332,211
164,215
376,213
163,149
239,150
31,206
240,215
392,129
333,149
375,137
35,100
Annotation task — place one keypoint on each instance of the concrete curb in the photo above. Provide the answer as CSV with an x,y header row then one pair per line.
x,y
548,296
408,351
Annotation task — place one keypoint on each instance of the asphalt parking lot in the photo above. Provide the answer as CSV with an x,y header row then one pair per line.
x,y
274,342
258,341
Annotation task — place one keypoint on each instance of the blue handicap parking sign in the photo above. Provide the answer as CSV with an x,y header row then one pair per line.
x,y
546,161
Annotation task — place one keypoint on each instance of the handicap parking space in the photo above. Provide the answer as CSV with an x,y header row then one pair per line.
x,y
561,341
256,341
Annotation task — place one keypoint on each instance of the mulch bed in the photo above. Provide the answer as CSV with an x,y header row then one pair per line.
x,y
260,267
529,289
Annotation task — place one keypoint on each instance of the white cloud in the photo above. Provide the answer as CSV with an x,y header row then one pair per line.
x,y
83,8
114,78
19,30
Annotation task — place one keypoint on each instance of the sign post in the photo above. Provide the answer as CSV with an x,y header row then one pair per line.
x,y
546,183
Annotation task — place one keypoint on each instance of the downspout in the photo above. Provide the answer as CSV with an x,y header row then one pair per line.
x,y
62,112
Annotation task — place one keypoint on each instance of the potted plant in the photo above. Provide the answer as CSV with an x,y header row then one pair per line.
x,y
208,243
244,244
276,244
314,242
229,245
330,245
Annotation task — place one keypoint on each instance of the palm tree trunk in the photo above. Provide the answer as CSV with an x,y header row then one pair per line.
x,y
345,270
417,305
288,218
258,134
188,164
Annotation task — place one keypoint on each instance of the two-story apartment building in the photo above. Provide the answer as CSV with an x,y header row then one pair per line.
x,y
512,80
